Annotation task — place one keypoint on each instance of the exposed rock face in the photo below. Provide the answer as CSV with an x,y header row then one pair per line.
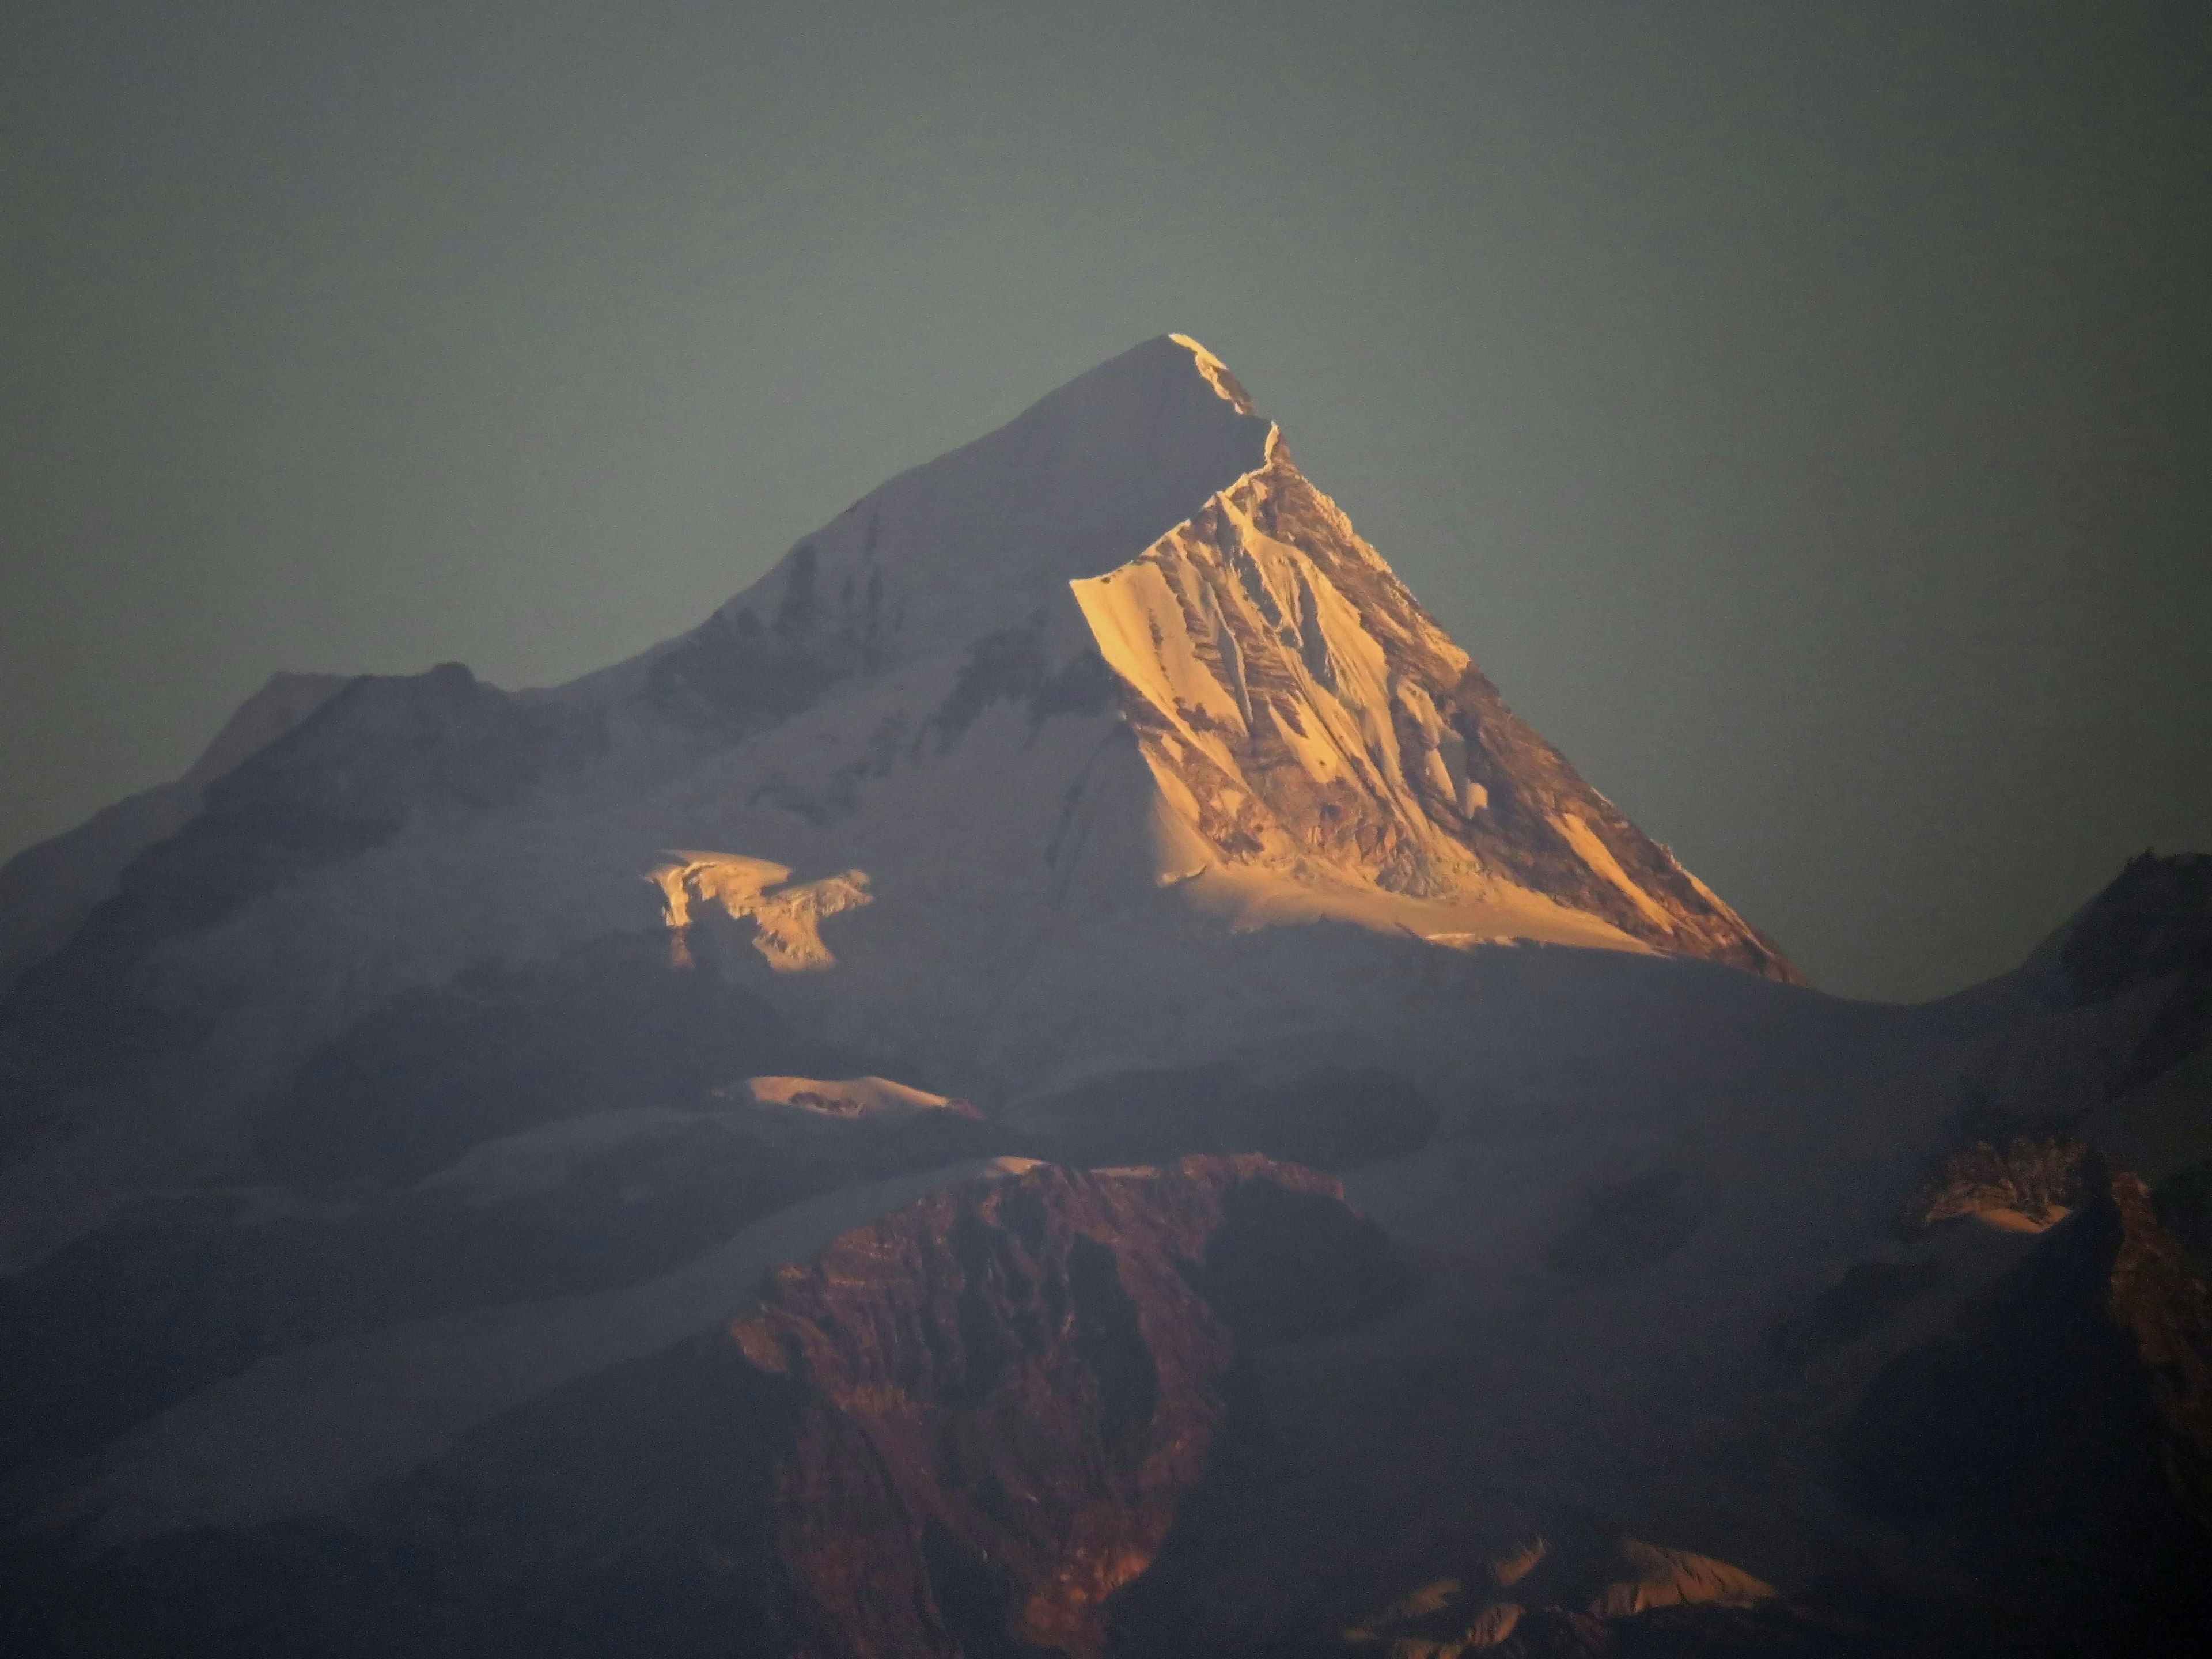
x,y
2025,1183
2161,1302
779,918
1304,715
1541,1599
1007,1387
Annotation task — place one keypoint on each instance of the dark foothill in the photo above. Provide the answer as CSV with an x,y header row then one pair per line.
x,y
1628,1225
612,1025
1857,1304
2066,1424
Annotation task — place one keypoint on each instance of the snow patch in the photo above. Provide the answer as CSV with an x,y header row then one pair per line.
x,y
809,1104
1595,853
786,920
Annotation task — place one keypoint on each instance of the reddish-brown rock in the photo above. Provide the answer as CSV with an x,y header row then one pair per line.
x,y
1006,1388
2157,1298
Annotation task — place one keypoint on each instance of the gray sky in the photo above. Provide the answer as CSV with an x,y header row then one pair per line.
x,y
1803,411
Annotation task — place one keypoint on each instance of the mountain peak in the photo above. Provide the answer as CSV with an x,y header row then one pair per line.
x,y
1217,374
1138,549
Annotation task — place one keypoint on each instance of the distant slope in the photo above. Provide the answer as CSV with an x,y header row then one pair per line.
x,y
47,891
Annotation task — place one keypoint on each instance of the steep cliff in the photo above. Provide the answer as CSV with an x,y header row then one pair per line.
x,y
1007,1388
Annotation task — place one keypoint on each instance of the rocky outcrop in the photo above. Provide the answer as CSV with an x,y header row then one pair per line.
x,y
1305,716
1007,1387
345,779
778,918
1583,1596
2023,1183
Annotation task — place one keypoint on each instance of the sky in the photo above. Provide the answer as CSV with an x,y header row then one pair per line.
x,y
1802,412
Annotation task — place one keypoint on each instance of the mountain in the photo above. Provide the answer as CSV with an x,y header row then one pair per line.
x,y
1109,676
1136,557
1060,1075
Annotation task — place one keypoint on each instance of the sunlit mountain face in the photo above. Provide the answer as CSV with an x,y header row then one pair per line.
x,y
1061,1076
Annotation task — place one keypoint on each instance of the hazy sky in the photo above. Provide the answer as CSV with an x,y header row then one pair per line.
x,y
1803,411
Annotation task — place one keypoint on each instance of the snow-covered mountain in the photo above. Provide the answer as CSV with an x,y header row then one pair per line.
x,y
414,1125
1138,556
1112,678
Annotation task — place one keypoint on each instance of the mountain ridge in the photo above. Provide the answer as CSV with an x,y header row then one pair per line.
x,y
918,694
406,1172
